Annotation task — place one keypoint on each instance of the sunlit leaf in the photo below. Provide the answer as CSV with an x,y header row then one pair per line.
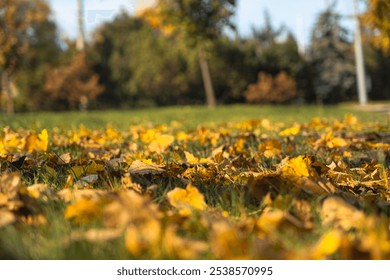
x,y
83,211
6,218
294,130
141,168
328,245
186,199
162,142
296,167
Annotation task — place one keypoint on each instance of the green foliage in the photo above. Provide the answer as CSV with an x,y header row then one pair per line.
x,y
198,21
331,59
44,52
143,67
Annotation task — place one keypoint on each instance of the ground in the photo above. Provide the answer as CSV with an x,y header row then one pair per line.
x,y
243,182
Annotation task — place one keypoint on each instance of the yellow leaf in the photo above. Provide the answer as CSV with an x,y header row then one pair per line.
x,y
351,120
43,140
186,199
162,142
270,148
294,130
190,158
336,142
41,191
31,143
328,245
6,217
181,136
296,167
36,142
83,211
270,219
3,199
144,236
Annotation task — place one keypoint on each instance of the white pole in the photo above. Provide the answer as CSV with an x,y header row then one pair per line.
x,y
80,43
360,71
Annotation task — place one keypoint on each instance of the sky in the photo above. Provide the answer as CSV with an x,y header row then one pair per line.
x,y
297,15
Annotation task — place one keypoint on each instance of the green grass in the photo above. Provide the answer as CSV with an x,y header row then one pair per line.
x,y
52,240
189,116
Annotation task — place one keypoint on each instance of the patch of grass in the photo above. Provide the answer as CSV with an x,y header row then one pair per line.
x,y
255,208
189,116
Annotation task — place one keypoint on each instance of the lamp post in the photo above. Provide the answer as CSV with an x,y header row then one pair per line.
x,y
359,63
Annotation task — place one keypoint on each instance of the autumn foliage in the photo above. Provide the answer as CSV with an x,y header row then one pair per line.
x,y
270,90
73,84
378,20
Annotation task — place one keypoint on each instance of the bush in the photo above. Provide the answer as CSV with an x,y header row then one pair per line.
x,y
272,90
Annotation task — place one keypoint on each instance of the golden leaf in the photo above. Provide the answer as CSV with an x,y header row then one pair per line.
x,y
296,167
3,199
39,191
190,158
270,148
160,144
143,236
43,142
186,199
328,244
83,211
270,219
6,218
294,130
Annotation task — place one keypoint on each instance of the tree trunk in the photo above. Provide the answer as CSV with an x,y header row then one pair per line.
x,y
6,93
207,82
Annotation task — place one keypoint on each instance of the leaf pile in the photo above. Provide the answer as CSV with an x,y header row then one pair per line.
x,y
248,190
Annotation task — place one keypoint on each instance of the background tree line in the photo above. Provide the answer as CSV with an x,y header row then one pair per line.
x,y
184,52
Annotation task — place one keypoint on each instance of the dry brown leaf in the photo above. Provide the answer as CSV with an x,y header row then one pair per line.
x,y
3,199
10,184
337,212
94,235
141,168
69,195
6,218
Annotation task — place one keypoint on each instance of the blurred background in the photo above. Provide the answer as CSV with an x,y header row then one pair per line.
x,y
100,54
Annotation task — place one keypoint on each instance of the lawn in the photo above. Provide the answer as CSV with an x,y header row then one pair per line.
x,y
190,117
242,182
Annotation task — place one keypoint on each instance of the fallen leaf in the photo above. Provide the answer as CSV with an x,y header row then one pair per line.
x,y
6,218
186,199
10,184
328,245
141,168
335,211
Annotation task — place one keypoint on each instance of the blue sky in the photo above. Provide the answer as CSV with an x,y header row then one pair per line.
x,y
298,15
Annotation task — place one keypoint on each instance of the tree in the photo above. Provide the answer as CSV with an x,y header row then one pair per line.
x,y
331,59
377,18
43,54
16,19
145,67
200,23
73,84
